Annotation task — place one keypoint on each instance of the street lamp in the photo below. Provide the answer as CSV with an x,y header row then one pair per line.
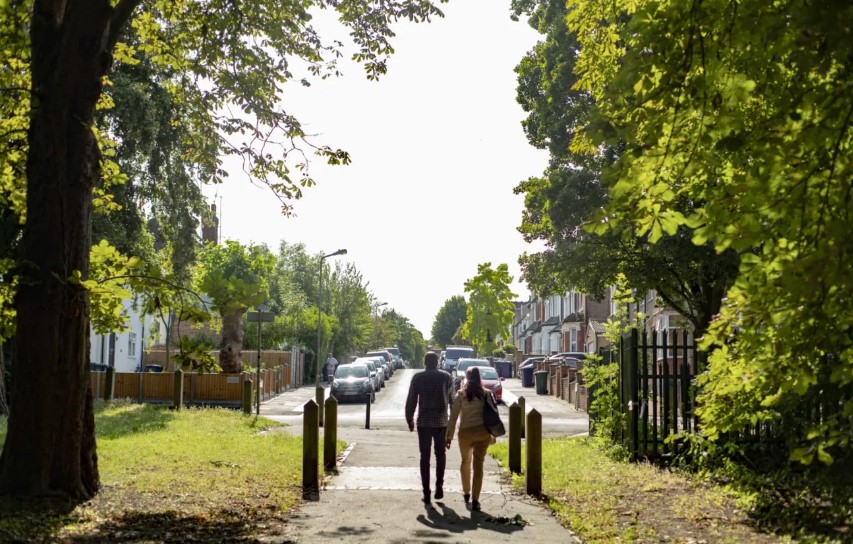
x,y
470,286
319,305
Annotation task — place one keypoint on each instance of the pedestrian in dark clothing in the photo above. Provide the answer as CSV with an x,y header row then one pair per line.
x,y
431,392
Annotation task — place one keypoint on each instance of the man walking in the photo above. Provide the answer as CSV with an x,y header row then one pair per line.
x,y
329,368
431,392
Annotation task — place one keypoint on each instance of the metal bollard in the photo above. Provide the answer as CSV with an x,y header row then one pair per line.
x,y
330,435
110,385
319,397
533,469
367,412
515,438
178,391
521,404
310,450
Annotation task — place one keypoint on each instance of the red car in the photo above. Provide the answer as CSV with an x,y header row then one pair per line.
x,y
491,381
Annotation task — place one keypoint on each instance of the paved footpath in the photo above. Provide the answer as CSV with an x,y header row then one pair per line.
x,y
376,495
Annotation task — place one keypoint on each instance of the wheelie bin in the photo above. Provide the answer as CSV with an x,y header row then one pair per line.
x,y
541,378
527,376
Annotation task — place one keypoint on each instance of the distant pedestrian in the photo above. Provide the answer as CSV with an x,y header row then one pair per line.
x,y
329,368
474,438
430,392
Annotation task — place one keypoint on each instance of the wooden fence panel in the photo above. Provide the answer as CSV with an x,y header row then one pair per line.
x,y
127,385
97,382
218,388
157,386
269,359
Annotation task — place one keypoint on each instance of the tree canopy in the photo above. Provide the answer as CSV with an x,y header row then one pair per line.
x,y
224,66
561,202
449,320
490,307
743,109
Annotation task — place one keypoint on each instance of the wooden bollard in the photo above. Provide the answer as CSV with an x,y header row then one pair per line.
x,y
178,391
319,398
310,450
521,405
515,438
533,468
330,435
247,394
277,380
110,385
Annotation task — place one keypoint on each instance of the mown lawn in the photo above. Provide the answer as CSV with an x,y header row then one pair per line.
x,y
205,475
607,501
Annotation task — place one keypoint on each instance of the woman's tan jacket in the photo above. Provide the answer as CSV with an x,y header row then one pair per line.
x,y
471,413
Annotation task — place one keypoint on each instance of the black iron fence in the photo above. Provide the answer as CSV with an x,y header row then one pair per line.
x,y
657,393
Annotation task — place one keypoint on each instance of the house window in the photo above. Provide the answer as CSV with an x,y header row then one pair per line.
x,y
131,344
590,347
573,339
664,323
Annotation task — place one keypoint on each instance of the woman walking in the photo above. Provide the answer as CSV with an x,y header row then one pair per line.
x,y
474,439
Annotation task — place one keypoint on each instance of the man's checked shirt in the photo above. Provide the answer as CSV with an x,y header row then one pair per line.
x,y
431,391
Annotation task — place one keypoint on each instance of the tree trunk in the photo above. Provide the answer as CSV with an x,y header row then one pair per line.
x,y
4,405
231,346
50,446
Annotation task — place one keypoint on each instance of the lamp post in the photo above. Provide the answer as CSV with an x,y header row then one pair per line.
x,y
476,316
319,305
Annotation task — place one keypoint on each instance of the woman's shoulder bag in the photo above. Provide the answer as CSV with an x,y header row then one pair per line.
x,y
491,417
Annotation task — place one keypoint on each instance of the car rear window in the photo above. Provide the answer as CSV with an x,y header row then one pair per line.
x,y
467,363
457,353
488,373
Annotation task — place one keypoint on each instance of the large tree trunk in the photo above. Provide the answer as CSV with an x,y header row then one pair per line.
x,y
231,346
50,446
4,405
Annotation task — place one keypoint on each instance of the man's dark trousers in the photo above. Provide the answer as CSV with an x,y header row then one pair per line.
x,y
435,437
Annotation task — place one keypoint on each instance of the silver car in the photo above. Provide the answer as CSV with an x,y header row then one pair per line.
x,y
351,382
376,375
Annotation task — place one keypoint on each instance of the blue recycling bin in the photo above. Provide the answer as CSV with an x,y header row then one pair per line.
x,y
527,376
504,369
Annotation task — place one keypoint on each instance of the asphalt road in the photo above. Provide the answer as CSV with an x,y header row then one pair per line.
x,y
388,411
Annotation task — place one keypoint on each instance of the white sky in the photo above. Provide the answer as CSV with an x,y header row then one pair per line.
x,y
437,148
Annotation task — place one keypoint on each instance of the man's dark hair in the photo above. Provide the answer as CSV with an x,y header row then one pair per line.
x,y
431,360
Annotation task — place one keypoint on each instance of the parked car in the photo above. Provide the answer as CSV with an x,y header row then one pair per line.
x,y
352,381
398,360
100,367
382,367
384,354
491,381
452,354
569,358
462,367
374,373
530,362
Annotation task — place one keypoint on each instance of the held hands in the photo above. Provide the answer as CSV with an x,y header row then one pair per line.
x,y
448,442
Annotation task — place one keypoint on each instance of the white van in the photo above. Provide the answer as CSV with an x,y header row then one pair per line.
x,y
452,354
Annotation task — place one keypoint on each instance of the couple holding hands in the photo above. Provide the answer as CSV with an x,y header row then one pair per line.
x,y
431,392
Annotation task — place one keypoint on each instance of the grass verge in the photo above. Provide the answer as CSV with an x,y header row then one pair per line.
x,y
607,501
206,475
